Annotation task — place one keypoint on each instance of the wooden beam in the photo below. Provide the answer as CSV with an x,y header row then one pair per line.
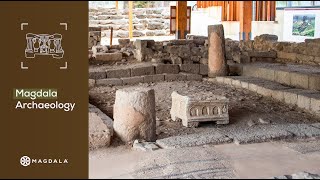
x,y
111,36
181,19
130,19
261,11
257,11
265,8
245,19
117,5
272,10
237,11
231,10
268,3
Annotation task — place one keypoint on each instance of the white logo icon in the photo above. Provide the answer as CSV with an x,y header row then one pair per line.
x,y
25,161
44,44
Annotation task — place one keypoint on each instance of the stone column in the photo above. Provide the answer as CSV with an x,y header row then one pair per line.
x,y
217,63
134,114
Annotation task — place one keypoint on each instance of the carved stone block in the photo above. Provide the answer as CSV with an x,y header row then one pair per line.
x,y
199,107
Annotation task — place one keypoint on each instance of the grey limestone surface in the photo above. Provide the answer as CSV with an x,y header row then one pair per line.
x,y
209,137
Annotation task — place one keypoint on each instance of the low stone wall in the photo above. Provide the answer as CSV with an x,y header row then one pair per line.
x,y
146,21
309,100
194,50
267,48
191,51
147,74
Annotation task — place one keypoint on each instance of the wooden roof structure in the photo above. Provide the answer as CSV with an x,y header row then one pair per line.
x,y
262,10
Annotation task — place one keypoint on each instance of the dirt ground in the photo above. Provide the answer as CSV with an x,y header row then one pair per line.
x,y
245,107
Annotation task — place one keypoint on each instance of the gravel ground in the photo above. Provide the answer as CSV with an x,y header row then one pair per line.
x,y
245,108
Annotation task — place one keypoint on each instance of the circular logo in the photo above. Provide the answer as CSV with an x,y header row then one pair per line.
x,y
25,161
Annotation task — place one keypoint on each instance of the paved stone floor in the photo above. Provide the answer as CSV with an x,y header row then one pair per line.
x,y
261,160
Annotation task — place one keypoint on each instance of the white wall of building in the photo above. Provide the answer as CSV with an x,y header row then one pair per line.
x,y
203,17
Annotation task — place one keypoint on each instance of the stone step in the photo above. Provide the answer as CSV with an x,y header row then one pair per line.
x,y
309,100
145,79
299,76
101,56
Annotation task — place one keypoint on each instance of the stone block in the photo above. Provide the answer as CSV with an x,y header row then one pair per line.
x,y
118,73
263,90
315,105
97,74
204,61
175,77
266,37
99,133
220,79
91,83
176,60
192,77
304,100
140,71
193,108
167,68
266,73
108,56
236,83
203,69
153,78
253,87
132,80
124,42
278,95
227,81
291,96
190,68
250,71
282,77
314,82
305,58
109,82
245,84
299,80
155,25
264,54
140,44
285,55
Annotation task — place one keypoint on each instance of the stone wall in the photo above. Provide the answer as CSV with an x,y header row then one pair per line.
x,y
146,21
194,50
190,51
267,48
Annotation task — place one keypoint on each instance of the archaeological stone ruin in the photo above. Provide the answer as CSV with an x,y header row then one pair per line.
x,y
205,94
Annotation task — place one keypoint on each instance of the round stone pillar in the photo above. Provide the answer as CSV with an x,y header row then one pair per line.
x,y
134,114
217,64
